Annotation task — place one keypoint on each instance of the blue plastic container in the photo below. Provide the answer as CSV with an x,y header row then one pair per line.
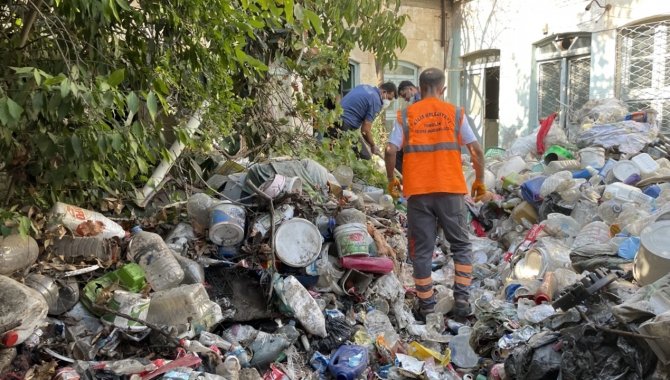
x,y
653,191
530,190
348,362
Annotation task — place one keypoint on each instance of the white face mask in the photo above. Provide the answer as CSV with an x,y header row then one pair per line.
x,y
385,103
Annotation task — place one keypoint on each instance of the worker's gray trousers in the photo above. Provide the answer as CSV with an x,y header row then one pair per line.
x,y
424,214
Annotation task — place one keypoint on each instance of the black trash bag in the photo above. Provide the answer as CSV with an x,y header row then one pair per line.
x,y
339,331
589,353
538,359
550,204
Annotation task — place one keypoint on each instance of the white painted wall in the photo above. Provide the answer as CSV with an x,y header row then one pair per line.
x,y
513,26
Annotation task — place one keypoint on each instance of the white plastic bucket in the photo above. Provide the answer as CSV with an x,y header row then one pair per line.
x,y
298,242
274,186
227,223
352,239
593,157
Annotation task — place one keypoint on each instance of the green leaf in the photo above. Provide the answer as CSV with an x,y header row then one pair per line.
x,y
97,169
116,77
314,20
15,110
112,6
123,4
64,88
117,141
133,102
297,12
22,70
38,101
38,77
4,112
288,10
142,165
161,86
76,146
152,105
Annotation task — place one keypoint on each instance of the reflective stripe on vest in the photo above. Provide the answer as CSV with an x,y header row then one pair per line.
x,y
407,148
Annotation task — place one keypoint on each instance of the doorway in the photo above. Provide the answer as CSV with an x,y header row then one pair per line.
x,y
481,94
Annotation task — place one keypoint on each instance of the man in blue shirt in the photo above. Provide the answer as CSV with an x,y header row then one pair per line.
x,y
360,107
408,91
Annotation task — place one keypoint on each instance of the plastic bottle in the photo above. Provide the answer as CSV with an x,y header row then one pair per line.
x,y
267,348
386,201
209,339
289,331
378,323
462,353
304,307
187,308
193,271
161,268
17,252
348,362
585,210
609,210
195,346
627,193
197,207
545,293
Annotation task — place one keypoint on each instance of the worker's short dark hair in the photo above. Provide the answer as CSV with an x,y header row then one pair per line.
x,y
390,87
405,84
431,79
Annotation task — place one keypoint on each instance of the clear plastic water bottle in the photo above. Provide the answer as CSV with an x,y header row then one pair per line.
x,y
161,268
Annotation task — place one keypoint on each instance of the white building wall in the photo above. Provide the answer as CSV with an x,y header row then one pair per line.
x,y
513,26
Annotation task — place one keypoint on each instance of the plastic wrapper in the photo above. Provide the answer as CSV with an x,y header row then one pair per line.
x,y
602,111
627,136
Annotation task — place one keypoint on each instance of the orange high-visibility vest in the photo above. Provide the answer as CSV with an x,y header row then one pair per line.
x,y
431,148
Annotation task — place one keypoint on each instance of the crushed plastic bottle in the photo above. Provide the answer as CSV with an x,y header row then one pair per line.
x,y
209,339
609,210
160,266
267,348
304,307
378,323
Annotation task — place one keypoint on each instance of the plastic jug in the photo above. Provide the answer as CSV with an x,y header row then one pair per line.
x,y
161,268
348,362
627,193
187,308
462,353
17,252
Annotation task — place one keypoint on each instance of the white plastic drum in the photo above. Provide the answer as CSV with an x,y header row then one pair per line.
x,y
298,242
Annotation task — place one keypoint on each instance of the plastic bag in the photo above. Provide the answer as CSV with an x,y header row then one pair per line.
x,y
628,136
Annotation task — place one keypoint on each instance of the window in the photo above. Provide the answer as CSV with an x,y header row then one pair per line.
x,y
643,69
352,80
563,75
401,72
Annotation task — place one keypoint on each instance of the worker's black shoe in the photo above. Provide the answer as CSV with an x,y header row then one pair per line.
x,y
461,308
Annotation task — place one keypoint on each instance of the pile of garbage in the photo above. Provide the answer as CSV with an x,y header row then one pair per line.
x,y
284,270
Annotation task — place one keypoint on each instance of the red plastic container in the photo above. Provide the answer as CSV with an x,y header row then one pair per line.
x,y
381,265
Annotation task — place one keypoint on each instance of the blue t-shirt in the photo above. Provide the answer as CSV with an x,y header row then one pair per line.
x,y
362,103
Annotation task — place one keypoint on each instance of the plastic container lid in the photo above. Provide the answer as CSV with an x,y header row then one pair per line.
x,y
624,169
298,242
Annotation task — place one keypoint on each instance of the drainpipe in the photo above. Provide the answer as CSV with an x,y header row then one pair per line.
x,y
142,197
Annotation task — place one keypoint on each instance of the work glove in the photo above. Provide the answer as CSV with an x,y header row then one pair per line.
x,y
394,188
478,190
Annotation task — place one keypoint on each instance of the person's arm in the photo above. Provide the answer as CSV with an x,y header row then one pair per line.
x,y
390,160
477,158
366,131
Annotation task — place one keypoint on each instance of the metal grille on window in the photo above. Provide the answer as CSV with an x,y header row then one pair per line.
x,y
549,92
579,78
643,69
